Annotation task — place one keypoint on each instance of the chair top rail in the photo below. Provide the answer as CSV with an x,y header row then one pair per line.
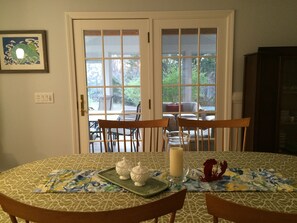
x,y
151,210
228,210
133,124
234,123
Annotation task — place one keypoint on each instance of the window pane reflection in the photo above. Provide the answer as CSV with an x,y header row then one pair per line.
x,y
189,42
207,97
93,44
113,72
189,93
189,71
112,43
208,70
170,42
132,101
94,95
131,43
170,94
94,72
132,72
208,41
170,70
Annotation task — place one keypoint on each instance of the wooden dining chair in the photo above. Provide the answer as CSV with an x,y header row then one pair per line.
x,y
142,135
153,210
217,135
234,212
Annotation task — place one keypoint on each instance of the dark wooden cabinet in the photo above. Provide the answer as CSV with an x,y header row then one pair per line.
x,y
270,99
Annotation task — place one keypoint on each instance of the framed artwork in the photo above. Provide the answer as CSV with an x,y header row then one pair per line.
x,y
23,52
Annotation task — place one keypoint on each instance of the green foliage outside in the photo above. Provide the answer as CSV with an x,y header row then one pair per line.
x,y
171,78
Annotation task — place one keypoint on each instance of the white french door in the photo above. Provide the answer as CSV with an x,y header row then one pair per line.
x,y
178,64
191,72
112,74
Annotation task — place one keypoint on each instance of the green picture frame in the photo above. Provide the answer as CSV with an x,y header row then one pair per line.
x,y
23,52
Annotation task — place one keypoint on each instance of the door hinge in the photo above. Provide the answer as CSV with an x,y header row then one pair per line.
x,y
148,37
149,103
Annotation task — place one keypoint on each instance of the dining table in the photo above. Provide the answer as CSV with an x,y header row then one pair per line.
x,y
22,181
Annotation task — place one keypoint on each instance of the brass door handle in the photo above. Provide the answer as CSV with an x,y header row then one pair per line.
x,y
83,111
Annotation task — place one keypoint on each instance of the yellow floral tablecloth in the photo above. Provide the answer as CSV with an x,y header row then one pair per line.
x,y
21,181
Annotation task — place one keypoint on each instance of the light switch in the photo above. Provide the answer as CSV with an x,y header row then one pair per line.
x,y
44,97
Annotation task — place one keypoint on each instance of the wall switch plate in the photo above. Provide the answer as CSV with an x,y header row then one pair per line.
x,y
44,97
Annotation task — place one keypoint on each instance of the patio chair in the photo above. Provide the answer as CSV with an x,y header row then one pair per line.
x,y
153,210
234,212
140,136
216,135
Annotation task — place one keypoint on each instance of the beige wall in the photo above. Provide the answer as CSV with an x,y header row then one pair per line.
x,y
30,131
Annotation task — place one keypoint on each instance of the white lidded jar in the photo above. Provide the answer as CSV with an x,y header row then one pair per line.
x,y
123,168
139,174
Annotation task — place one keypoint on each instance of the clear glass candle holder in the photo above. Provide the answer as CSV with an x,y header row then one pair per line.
x,y
176,163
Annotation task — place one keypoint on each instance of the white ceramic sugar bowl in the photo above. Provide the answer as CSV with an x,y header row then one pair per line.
x,y
123,168
139,174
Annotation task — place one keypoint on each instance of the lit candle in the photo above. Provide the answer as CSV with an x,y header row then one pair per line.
x,y
176,161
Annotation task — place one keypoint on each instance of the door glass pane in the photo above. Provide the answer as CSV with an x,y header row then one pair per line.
x,y
93,44
170,42
189,71
207,97
189,42
113,72
117,99
207,70
189,94
131,43
94,72
107,99
132,97
170,69
170,94
132,72
112,43
208,41
94,95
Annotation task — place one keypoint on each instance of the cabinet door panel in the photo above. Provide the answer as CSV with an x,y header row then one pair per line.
x,y
287,134
270,99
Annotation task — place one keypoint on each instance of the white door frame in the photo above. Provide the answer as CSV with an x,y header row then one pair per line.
x,y
226,15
